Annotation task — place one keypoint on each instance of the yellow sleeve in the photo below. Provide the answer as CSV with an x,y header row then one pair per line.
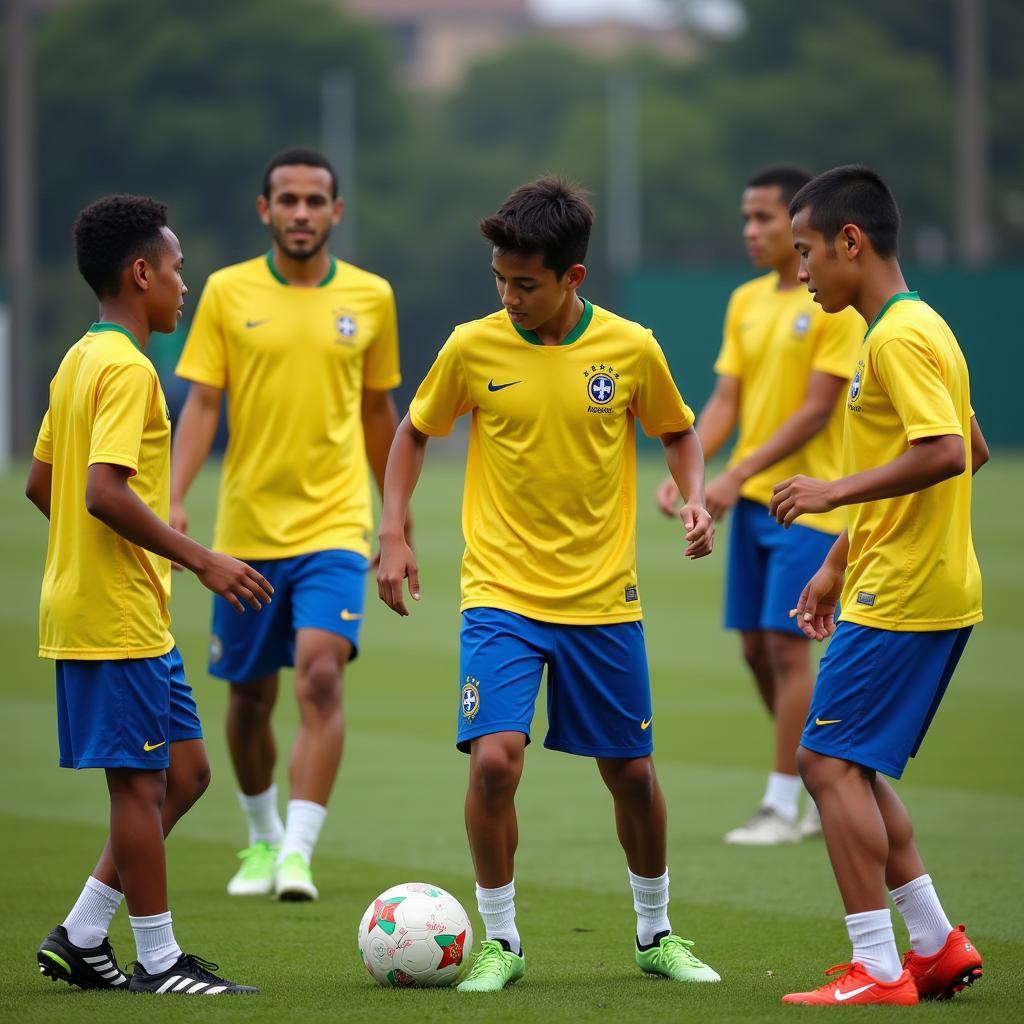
x,y
912,377
380,363
444,394
656,401
43,450
124,398
838,342
730,357
204,358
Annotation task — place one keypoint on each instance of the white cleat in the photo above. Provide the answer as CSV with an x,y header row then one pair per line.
x,y
766,828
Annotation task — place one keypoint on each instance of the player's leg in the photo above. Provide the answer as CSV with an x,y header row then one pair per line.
x,y
755,654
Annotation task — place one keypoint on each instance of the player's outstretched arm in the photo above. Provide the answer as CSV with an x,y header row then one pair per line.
x,y
685,460
193,438
110,499
397,561
39,486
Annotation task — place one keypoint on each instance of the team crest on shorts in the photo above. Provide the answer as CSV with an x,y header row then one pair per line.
x,y
470,699
346,325
216,648
801,324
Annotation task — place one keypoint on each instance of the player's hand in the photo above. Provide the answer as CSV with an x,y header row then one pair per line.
x,y
700,530
722,494
667,496
815,612
375,561
178,519
235,582
396,564
800,494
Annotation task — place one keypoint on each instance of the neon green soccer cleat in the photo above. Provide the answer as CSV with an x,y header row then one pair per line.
x,y
293,880
256,875
672,958
494,967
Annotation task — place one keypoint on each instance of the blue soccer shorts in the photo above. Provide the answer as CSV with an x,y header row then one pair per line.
x,y
599,692
124,713
322,590
877,693
769,566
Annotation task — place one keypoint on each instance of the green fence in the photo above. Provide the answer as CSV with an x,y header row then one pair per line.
x,y
685,310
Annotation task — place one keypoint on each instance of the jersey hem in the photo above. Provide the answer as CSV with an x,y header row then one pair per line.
x,y
425,428
388,384
676,426
607,619
114,459
198,377
912,625
936,430
279,552
106,653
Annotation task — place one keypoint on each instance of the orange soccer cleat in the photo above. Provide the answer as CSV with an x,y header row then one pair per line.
x,y
947,971
855,987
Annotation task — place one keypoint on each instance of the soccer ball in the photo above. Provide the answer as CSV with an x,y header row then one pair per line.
x,y
414,934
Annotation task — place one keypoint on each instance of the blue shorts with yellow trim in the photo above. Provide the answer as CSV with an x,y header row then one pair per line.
x,y
877,693
599,692
321,590
124,713
769,566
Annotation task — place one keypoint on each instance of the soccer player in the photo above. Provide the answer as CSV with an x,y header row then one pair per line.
x,y
554,386
911,595
781,372
305,348
100,475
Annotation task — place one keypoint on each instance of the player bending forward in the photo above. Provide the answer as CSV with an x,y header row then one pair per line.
x,y
554,386
912,589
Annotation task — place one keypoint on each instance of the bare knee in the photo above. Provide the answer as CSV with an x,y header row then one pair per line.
x,y
251,704
786,655
318,686
630,781
495,769
821,773
755,654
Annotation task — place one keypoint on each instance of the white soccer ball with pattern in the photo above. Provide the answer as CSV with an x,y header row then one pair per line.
x,y
415,935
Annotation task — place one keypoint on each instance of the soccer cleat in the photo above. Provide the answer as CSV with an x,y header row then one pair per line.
x,y
188,976
766,828
810,822
96,967
293,881
494,967
855,987
256,875
672,958
948,970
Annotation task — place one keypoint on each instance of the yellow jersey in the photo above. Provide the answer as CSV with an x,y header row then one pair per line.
x,y
912,564
104,598
773,340
549,508
294,363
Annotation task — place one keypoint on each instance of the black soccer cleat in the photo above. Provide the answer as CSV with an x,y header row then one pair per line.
x,y
189,975
95,968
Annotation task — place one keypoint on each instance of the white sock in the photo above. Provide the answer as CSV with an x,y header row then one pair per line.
x,y
89,921
302,830
874,944
926,921
782,794
261,813
498,909
650,901
154,942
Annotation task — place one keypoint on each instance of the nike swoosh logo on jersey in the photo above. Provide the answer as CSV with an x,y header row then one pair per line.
x,y
347,616
841,997
827,721
646,723
147,746
257,323
491,386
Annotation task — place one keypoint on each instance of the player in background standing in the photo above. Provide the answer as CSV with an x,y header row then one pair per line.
x,y
305,348
100,476
912,589
554,386
781,373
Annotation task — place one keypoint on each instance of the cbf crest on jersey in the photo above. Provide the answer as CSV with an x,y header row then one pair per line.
x,y
855,386
600,380
470,698
346,326
801,324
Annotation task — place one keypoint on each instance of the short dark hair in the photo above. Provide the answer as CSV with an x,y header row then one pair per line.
x,y
852,194
303,157
551,216
112,232
789,178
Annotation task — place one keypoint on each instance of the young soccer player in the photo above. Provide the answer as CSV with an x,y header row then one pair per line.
x,y
306,349
554,386
100,475
911,594
781,373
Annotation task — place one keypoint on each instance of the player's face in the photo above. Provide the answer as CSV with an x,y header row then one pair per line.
x,y
830,279
166,292
300,211
531,292
766,229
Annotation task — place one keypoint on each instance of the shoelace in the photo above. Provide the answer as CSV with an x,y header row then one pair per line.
x,y
675,951
254,852
489,960
834,969
202,968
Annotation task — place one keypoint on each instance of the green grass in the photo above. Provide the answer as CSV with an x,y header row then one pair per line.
x,y
768,920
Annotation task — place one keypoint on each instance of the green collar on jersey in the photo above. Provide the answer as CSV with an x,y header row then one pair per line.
x,y
573,335
277,276
898,297
102,326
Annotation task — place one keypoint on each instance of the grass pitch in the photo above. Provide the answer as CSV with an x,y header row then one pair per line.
x,y
769,920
